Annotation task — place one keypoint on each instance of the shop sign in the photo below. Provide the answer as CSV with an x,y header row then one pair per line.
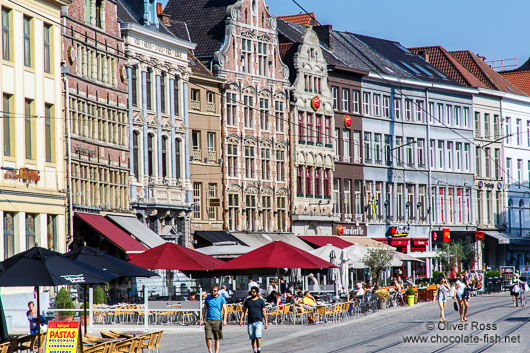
x,y
24,174
399,242
421,242
62,336
315,103
479,236
507,272
398,231
447,235
350,230
215,202
347,121
434,236
524,270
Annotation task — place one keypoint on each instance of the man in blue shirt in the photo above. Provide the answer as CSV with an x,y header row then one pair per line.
x,y
215,313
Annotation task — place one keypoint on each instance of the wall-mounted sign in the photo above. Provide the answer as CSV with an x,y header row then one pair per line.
x,y
447,235
340,230
499,186
72,55
24,174
420,242
479,236
434,236
350,229
399,242
315,103
215,202
347,121
398,231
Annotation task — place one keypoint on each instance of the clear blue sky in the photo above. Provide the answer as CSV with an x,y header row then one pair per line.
x,y
494,29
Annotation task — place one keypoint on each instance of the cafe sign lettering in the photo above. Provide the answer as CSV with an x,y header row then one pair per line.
x,y
24,174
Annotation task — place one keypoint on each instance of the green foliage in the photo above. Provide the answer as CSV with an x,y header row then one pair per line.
x,y
436,275
64,301
378,259
493,273
456,252
410,291
99,296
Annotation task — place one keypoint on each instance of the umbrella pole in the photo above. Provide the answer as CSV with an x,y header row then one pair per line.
x,y
38,312
85,303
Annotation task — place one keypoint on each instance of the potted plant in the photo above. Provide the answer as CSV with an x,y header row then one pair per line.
x,y
63,301
411,296
382,297
99,296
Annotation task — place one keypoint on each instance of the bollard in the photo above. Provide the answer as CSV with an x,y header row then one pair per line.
x,y
146,310
91,308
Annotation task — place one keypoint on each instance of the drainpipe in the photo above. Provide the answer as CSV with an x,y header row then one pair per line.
x,y
69,160
429,190
223,157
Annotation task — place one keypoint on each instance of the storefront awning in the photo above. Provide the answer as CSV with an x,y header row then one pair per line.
x,y
368,242
256,240
502,238
215,236
113,233
322,240
139,230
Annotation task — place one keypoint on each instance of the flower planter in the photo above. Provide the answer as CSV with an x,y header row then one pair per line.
x,y
381,304
410,300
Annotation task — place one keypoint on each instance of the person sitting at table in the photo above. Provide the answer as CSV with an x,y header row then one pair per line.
x,y
410,282
274,298
224,293
399,287
299,297
309,299
193,297
288,298
359,290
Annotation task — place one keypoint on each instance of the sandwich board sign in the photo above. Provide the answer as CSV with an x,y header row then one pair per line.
x,y
62,337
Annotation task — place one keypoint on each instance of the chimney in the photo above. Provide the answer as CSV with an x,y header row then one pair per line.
x,y
483,58
325,35
162,17
424,55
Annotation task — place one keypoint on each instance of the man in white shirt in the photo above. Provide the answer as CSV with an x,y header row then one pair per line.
x,y
252,283
224,293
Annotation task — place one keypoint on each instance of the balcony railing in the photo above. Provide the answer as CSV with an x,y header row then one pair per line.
x,y
210,107
195,105
196,155
212,157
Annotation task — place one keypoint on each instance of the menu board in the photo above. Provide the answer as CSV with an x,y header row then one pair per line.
x,y
62,337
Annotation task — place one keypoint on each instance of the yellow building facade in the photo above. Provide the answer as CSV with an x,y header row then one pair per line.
x,y
32,175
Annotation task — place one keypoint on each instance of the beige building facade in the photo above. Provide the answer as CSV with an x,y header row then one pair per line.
x,y
32,176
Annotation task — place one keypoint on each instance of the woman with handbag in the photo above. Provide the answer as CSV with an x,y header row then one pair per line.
x,y
516,289
462,296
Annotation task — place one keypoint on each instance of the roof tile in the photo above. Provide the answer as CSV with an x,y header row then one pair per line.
x,y
484,72
306,19
519,78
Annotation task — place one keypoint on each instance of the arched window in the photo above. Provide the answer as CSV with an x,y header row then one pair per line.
x,y
164,156
136,153
178,157
150,154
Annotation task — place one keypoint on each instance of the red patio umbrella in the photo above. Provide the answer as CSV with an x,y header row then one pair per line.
x,y
171,256
276,255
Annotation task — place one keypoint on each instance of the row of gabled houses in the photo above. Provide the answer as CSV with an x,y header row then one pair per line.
x,y
128,125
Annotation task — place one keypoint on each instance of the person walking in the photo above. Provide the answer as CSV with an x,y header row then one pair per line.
x,y
257,318
442,293
515,289
462,296
215,311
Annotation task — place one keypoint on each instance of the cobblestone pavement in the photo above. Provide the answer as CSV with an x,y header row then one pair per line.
x,y
491,319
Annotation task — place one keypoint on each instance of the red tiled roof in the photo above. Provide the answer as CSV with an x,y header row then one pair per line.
x,y
484,72
519,78
197,67
306,19
438,57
